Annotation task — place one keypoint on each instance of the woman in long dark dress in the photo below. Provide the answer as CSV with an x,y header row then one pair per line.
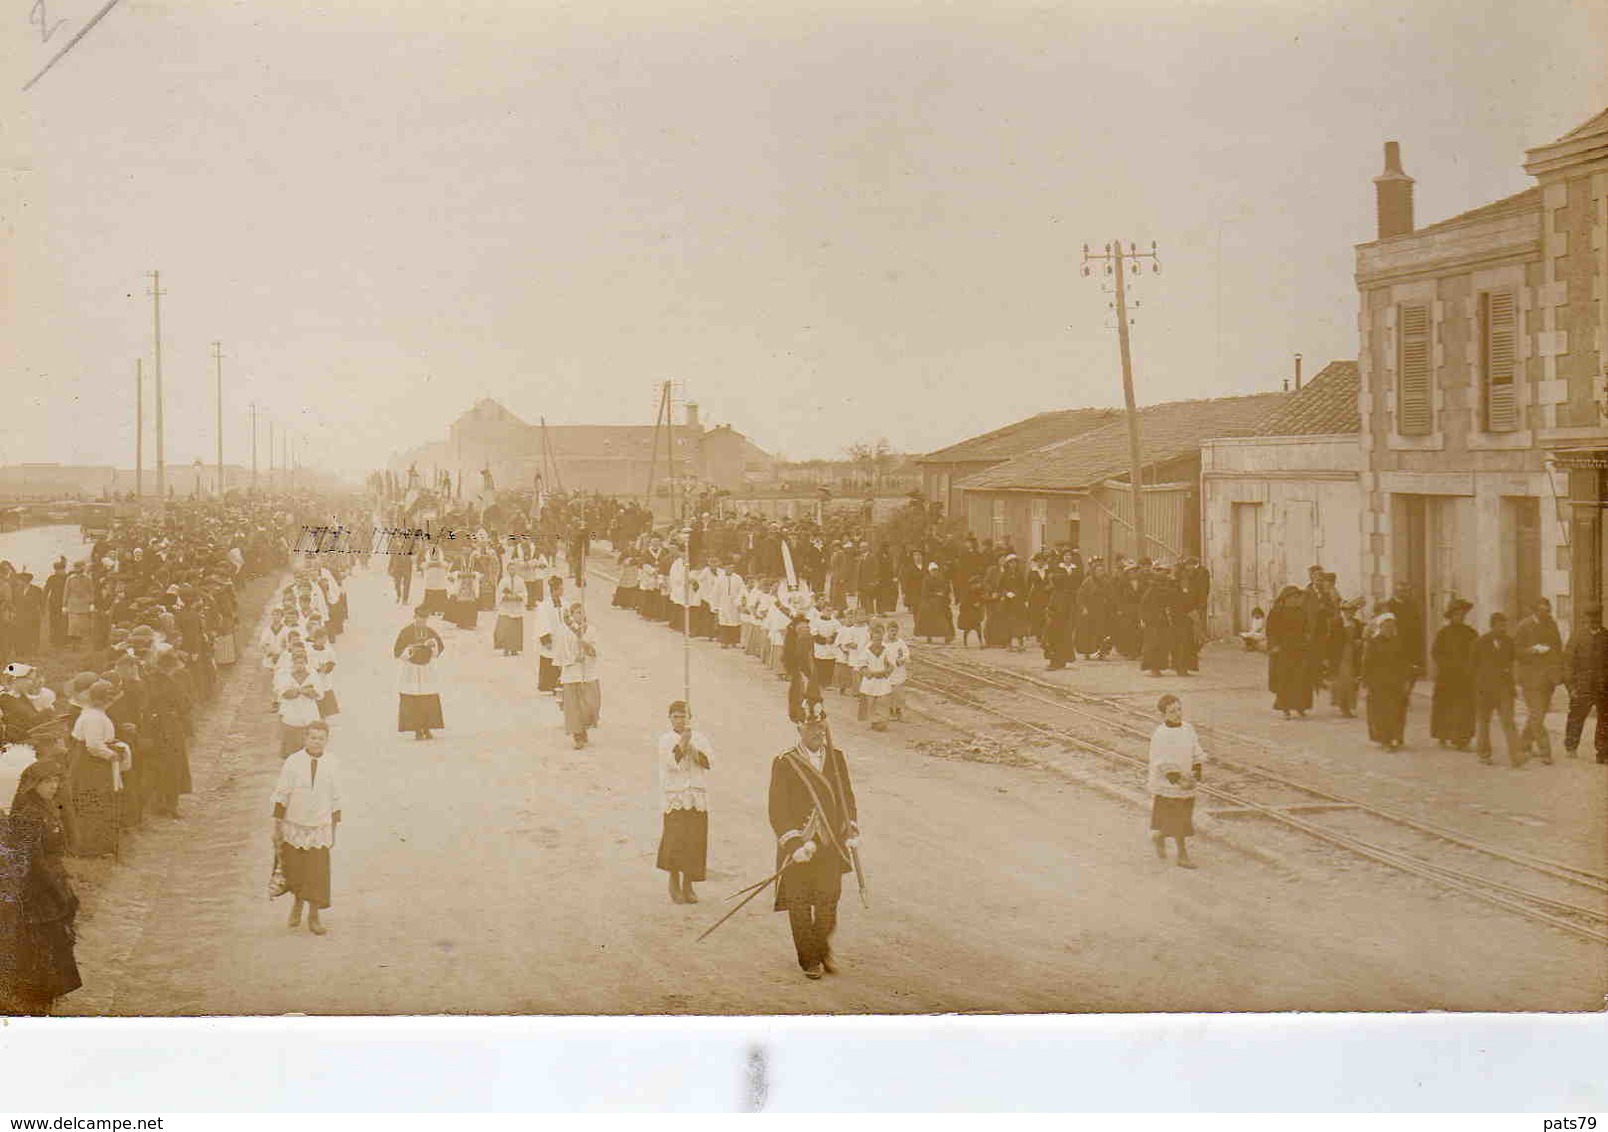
x,y
933,619
1289,676
39,906
996,634
910,583
1013,603
1126,635
1185,638
169,742
1094,612
1387,672
972,603
1061,621
1155,615
1451,712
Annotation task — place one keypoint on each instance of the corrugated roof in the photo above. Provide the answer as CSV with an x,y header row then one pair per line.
x,y
1023,436
1166,431
1324,406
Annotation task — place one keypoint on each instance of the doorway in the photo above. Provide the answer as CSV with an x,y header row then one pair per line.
x,y
1247,558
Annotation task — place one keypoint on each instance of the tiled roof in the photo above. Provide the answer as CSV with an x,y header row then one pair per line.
x,y
1324,406
1166,432
1595,124
1023,436
1526,201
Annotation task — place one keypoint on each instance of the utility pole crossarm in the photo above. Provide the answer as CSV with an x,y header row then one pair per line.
x,y
1119,263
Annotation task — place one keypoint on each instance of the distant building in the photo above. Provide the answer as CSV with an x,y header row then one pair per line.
x,y
1076,491
812,488
612,459
1483,388
943,471
1288,497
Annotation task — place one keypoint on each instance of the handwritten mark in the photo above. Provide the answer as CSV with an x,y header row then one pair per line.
x,y
69,45
41,20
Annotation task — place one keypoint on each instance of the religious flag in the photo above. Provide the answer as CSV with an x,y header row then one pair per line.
x,y
787,564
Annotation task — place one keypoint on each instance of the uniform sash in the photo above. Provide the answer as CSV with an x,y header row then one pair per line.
x,y
816,782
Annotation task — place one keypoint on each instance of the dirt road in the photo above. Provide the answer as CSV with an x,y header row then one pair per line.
x,y
496,870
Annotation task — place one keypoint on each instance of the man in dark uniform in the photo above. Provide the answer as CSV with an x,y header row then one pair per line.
x,y
55,597
813,814
1585,668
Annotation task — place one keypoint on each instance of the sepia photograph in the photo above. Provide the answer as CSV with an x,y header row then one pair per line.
x,y
884,508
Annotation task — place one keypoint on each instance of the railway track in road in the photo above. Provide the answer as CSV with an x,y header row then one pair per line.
x,y
1495,875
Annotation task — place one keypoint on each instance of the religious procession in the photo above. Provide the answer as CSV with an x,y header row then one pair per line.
x,y
830,628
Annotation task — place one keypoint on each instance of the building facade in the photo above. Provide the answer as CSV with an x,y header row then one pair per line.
x,y
610,459
1479,361
1572,176
1284,500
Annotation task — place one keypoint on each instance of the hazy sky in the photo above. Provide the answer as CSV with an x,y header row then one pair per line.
x,y
830,221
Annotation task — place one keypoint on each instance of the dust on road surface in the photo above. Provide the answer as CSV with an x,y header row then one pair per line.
x,y
497,870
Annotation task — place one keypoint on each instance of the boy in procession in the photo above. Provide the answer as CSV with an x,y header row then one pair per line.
x,y
684,840
307,810
1177,766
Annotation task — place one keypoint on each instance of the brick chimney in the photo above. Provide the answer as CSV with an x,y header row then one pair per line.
x,y
692,416
1393,194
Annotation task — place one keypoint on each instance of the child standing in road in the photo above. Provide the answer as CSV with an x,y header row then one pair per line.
x,y
899,651
684,841
1177,765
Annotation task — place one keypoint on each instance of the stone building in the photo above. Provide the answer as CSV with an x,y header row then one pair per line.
x,y
1481,372
1284,499
1572,176
611,459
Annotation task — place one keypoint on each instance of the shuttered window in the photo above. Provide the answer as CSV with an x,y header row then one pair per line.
x,y
1498,350
1413,406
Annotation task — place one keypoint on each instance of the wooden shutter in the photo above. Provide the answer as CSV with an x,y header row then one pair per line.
x,y
1413,382
1499,332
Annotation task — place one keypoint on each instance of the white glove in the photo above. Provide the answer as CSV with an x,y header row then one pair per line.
x,y
804,852
852,843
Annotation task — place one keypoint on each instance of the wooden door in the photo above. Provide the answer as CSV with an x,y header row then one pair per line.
x,y
1247,563
1525,569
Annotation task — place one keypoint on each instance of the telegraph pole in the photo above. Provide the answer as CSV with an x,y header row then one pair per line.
x,y
217,356
254,448
139,429
270,454
1118,263
161,449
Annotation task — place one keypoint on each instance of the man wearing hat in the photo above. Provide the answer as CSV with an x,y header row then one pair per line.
x,y
1538,668
1585,668
28,615
1493,691
814,817
55,596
